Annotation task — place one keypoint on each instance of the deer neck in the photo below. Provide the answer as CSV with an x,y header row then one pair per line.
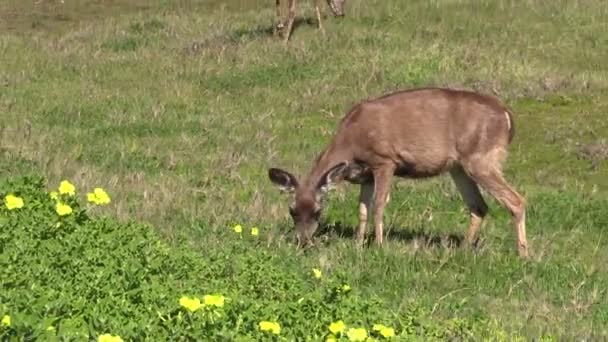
x,y
332,155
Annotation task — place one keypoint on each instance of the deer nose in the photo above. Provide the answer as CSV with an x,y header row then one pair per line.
x,y
303,242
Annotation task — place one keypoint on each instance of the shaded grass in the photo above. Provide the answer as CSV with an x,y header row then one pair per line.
x,y
179,108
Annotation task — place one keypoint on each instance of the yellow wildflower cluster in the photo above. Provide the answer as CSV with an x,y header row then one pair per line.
x,y
317,273
13,202
272,327
214,300
109,338
356,334
384,331
337,329
63,209
67,188
239,229
98,196
193,304
6,321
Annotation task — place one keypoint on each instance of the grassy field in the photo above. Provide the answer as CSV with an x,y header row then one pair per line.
x,y
178,109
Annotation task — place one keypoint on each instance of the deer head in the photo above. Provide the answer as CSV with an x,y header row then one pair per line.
x,y
305,209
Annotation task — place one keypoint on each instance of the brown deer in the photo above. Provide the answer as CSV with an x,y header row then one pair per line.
x,y
415,133
336,6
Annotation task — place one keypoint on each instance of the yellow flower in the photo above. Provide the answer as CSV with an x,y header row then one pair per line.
x,y
65,187
191,304
384,330
109,338
254,231
337,328
238,228
214,300
13,202
273,327
331,338
357,334
387,332
63,209
6,320
54,195
345,288
98,196
378,327
317,273
50,328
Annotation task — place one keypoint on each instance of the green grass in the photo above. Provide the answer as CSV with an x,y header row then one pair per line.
x,y
179,108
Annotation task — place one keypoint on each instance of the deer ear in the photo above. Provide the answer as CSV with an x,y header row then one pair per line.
x,y
283,179
332,176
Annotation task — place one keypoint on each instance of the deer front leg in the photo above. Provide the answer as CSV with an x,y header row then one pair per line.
x,y
279,22
318,9
382,185
290,19
365,204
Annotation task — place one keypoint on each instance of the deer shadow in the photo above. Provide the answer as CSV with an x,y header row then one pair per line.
x,y
309,21
266,31
252,33
239,35
450,240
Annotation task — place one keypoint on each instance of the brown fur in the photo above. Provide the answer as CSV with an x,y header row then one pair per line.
x,y
415,133
336,6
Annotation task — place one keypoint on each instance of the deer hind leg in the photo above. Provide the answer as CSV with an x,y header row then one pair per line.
x,y
366,197
486,171
290,19
472,197
382,184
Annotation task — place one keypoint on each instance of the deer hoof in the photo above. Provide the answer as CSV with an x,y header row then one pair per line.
x,y
523,251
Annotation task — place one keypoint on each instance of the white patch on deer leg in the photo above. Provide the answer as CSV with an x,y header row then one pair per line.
x,y
379,219
522,242
363,216
474,228
366,197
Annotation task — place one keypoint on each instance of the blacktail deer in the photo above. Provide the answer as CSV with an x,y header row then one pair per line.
x,y
336,6
415,133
